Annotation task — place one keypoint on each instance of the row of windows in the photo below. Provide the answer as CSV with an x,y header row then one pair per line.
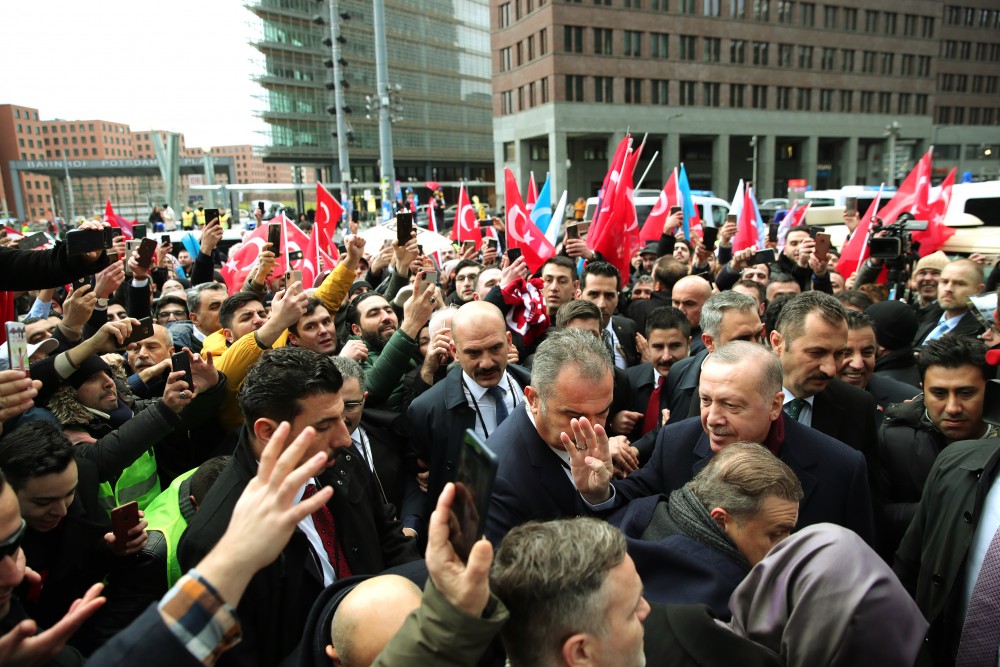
x,y
521,8
788,12
966,115
27,115
959,83
82,127
528,96
89,152
972,17
604,90
39,185
955,50
743,51
534,46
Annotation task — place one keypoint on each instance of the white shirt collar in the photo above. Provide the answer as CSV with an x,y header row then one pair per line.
x,y
477,390
789,397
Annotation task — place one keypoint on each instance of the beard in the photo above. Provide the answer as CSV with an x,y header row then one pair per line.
x,y
374,341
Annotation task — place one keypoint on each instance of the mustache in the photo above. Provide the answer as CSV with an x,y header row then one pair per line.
x,y
485,371
820,376
719,430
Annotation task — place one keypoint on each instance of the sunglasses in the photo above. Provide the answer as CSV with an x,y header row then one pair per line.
x,y
10,546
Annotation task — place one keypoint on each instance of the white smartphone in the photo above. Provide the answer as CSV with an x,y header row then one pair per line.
x,y
17,347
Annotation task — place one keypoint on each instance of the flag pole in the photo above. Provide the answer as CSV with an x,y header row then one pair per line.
x,y
648,166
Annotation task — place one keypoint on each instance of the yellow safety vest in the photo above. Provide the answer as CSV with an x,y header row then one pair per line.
x,y
187,219
164,515
200,217
138,482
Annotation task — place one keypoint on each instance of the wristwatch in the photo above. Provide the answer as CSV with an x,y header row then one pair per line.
x,y
102,303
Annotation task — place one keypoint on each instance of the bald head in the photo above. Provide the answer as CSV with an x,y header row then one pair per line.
x,y
480,342
369,616
689,295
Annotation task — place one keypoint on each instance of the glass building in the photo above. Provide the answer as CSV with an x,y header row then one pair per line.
x,y
439,72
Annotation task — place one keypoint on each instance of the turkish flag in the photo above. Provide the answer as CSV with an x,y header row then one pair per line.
x,y
856,250
618,236
746,224
328,215
532,193
936,233
670,196
116,220
610,183
521,231
293,239
466,227
906,197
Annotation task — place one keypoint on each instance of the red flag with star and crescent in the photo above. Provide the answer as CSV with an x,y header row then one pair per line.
x,y
466,227
521,231
116,220
328,215
244,258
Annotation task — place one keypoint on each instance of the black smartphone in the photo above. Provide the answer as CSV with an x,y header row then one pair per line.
x,y
474,478
573,231
140,331
420,249
147,250
78,241
765,256
180,361
139,231
260,206
711,236
404,227
467,246
772,231
294,255
274,237
81,281
124,519
164,239
513,254
211,214
813,231
110,233
674,209
490,243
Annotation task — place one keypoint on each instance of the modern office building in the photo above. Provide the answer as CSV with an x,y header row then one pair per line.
x,y
439,72
765,90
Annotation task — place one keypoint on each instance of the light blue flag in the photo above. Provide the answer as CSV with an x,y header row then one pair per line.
x,y
191,244
541,214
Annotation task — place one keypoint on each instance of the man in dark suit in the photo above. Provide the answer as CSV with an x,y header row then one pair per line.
x,y
600,284
353,533
858,366
959,280
741,398
810,337
725,317
668,333
465,399
945,548
571,375
689,295
666,272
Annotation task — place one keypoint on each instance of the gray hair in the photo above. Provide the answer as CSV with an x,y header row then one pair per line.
x,y
792,320
769,376
194,294
740,477
566,348
716,306
167,335
350,369
550,576
438,317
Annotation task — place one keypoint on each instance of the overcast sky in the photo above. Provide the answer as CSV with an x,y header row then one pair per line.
x,y
179,65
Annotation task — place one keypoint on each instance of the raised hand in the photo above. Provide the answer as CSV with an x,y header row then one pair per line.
x,y
590,459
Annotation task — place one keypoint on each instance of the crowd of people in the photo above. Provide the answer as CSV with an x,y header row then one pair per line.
x,y
703,462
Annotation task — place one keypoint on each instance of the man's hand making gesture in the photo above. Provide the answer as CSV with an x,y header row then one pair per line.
x,y
590,460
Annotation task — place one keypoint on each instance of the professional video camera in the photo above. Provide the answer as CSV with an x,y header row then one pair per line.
x,y
895,245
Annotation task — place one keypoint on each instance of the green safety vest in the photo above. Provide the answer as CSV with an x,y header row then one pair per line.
x,y
138,482
164,515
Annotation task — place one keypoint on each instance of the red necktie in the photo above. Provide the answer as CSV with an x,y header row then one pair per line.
x,y
323,521
652,417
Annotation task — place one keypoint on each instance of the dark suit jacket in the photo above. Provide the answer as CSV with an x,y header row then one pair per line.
x,y
967,326
531,482
682,387
931,558
146,641
277,601
640,378
395,463
887,391
681,635
639,309
833,476
625,330
438,419
848,414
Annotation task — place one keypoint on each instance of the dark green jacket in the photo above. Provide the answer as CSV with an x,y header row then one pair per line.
x,y
932,555
384,371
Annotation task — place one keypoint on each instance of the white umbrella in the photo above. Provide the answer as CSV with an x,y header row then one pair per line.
x,y
431,242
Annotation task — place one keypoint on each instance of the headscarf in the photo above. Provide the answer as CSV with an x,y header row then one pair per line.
x,y
822,597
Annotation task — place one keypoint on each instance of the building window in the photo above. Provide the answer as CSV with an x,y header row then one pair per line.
x,y
710,94
602,41
807,14
886,63
736,95
505,59
688,45
658,46
784,95
906,65
909,25
761,12
506,103
711,49
805,57
687,93
759,97
889,23
737,51
686,6
659,91
633,91
531,47
884,102
660,5
544,85
927,27
871,20
867,98
543,41
850,19
633,43
826,100
868,62
924,66
574,88
519,49
760,53
508,151
803,99
604,89
573,39
737,9
827,58
633,4
785,11
903,103
830,17
920,105
784,55
505,15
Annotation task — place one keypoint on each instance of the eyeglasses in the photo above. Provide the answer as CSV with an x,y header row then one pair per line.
x,y
168,315
353,406
10,546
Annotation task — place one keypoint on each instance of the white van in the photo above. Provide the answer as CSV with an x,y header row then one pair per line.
x,y
711,210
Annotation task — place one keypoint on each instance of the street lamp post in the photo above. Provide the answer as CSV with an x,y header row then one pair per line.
x,y
388,170
892,132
